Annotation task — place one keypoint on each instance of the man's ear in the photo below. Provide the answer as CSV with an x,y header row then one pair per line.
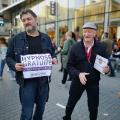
x,y
37,21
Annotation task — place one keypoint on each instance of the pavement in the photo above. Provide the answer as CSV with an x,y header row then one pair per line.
x,y
109,107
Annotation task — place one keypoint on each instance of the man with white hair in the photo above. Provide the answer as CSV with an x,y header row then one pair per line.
x,y
85,76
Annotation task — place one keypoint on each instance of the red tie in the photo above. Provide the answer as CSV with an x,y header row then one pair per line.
x,y
88,55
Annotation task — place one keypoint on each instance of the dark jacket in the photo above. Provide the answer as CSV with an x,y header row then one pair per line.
x,y
78,62
18,45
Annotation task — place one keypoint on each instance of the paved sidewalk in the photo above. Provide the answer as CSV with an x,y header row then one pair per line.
x,y
109,108
109,103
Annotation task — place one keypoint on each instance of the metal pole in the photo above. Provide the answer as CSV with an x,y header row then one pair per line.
x,y
106,19
56,25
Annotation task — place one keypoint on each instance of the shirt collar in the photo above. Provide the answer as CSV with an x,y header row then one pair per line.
x,y
88,48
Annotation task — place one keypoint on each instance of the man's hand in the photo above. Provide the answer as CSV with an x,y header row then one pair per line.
x,y
106,69
19,66
54,61
82,78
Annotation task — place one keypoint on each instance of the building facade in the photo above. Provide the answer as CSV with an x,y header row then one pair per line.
x,y
57,16
3,4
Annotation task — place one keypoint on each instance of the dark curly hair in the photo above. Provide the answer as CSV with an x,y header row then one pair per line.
x,y
25,11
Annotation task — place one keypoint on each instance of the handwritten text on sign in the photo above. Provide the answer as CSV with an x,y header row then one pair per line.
x,y
36,65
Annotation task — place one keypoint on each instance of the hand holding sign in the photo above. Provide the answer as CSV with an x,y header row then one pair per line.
x,y
54,61
36,65
19,66
106,69
101,64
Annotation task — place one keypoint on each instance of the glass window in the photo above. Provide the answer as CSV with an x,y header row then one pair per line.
x,y
42,28
62,9
100,30
63,28
114,5
71,24
78,25
40,10
94,18
75,8
113,30
114,23
93,7
48,17
115,15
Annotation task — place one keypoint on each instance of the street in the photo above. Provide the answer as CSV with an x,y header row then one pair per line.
x,y
109,107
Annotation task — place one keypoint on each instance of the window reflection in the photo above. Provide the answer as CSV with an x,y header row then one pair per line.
x,y
88,2
72,14
62,9
115,15
94,18
93,7
114,5
76,8
63,28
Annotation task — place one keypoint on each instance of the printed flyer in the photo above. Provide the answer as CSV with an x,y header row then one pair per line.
x,y
36,65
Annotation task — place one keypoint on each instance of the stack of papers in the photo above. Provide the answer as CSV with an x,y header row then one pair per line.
x,y
100,62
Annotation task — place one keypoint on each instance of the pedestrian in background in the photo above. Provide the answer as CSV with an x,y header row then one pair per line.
x,y
115,57
68,43
108,44
62,40
11,72
85,76
3,50
31,41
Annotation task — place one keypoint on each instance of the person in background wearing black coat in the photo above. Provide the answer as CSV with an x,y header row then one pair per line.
x,y
85,76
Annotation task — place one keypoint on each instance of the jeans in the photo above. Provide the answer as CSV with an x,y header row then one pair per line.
x,y
33,91
3,62
112,72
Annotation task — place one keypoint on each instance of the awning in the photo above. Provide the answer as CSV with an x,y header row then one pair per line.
x,y
11,6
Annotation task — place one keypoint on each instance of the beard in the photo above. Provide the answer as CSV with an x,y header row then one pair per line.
x,y
30,29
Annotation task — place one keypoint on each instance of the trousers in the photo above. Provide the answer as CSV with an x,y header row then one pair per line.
x,y
33,92
75,93
2,65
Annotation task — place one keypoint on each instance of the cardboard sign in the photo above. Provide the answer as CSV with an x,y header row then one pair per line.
x,y
36,65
